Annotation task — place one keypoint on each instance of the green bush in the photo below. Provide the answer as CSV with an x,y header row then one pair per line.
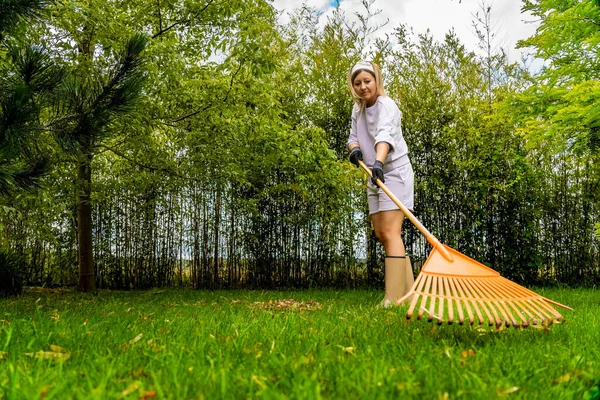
x,y
11,273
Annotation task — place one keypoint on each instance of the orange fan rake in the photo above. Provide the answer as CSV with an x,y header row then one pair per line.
x,y
451,284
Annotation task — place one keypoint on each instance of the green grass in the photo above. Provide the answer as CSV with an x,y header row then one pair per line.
x,y
326,344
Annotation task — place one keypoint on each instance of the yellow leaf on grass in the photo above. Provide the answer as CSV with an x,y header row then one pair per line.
x,y
133,387
136,339
57,349
49,355
504,392
258,381
563,379
3,355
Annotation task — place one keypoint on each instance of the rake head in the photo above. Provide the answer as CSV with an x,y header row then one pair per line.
x,y
445,290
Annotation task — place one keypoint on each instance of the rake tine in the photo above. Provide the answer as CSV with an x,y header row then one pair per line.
x,y
536,299
435,295
527,295
547,317
457,299
552,310
557,304
535,316
513,308
525,310
508,317
539,311
476,303
537,296
482,301
425,296
530,313
450,305
489,301
517,291
466,302
441,305
413,303
516,307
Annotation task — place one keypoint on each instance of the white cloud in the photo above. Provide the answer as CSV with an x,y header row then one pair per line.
x,y
439,16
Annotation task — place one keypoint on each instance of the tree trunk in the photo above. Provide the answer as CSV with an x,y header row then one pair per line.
x,y
87,279
215,277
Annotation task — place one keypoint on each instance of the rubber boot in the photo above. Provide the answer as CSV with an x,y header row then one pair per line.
x,y
410,278
395,280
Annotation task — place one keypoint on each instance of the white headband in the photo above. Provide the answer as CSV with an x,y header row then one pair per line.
x,y
363,65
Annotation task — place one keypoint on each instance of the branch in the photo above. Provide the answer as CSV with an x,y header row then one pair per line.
x,y
192,114
231,82
183,21
168,171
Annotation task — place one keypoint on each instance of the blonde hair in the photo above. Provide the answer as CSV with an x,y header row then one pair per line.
x,y
376,73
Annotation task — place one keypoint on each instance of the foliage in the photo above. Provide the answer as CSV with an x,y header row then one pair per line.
x,y
12,266
229,169
28,79
563,106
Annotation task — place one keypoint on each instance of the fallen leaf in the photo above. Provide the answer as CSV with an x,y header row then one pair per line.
x,y
504,392
133,387
563,378
467,353
57,349
148,395
258,381
349,350
3,355
49,355
136,339
288,304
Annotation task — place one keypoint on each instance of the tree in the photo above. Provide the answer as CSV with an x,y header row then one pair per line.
x,y
562,109
90,104
565,104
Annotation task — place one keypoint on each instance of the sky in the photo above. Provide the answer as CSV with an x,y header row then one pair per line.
x,y
439,16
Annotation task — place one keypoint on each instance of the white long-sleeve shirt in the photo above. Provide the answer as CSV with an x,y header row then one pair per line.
x,y
379,123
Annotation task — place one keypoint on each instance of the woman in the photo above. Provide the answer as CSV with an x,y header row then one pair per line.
x,y
376,137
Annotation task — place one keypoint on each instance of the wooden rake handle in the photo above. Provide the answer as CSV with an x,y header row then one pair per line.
x,y
430,238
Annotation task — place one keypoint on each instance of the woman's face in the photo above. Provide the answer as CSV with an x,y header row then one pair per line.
x,y
365,87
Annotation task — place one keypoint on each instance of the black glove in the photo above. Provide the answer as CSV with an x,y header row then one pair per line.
x,y
356,155
377,171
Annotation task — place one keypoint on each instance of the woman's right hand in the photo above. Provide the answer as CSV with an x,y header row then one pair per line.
x,y
356,155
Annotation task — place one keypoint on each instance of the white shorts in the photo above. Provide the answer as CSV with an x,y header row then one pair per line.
x,y
401,182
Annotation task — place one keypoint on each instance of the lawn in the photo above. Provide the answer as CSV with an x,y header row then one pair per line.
x,y
184,344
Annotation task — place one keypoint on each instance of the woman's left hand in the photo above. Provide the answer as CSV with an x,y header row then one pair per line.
x,y
377,171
